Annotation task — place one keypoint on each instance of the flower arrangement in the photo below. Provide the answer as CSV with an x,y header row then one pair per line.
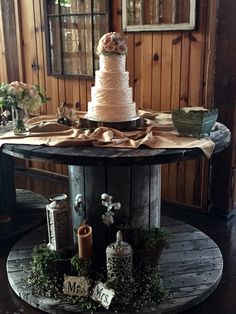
x,y
22,95
112,43
107,217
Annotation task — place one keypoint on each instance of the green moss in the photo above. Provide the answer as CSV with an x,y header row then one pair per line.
x,y
146,238
43,259
43,276
80,266
147,287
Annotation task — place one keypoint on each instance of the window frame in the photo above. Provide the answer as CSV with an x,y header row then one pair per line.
x,y
108,4
191,25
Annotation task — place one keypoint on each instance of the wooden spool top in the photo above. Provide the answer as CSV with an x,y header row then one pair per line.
x,y
95,156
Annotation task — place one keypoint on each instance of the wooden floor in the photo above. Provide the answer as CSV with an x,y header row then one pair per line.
x,y
29,213
191,267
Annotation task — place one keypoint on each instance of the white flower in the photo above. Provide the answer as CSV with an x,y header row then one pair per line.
x,y
107,218
111,208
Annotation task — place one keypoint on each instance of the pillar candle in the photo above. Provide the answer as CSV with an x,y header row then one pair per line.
x,y
85,242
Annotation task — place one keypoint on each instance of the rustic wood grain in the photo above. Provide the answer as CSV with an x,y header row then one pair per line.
x,y
140,191
147,65
137,188
119,188
138,58
9,26
114,156
223,189
7,185
27,213
77,186
97,156
156,72
155,195
3,61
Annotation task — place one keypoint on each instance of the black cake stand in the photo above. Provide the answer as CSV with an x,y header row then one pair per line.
x,y
132,124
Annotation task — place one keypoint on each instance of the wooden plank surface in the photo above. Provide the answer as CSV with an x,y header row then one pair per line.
x,y
120,190
191,268
113,156
140,196
29,212
7,185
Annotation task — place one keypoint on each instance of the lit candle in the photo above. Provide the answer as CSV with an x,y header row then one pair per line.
x,y
85,242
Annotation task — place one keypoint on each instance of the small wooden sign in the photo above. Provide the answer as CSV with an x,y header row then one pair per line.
x,y
76,286
103,295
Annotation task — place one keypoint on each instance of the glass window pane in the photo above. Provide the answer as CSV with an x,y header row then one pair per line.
x,y
130,12
151,11
55,45
182,11
52,7
77,45
99,6
75,6
100,28
167,15
134,12
88,45
74,32
70,43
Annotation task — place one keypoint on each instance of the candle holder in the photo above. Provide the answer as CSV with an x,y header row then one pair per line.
x,y
58,222
119,268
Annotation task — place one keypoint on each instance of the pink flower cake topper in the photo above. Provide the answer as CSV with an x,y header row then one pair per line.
x,y
112,43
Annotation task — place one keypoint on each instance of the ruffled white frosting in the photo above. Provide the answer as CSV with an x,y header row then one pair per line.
x,y
111,97
109,113
112,63
107,79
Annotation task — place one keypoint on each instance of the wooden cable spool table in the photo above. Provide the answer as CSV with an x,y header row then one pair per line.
x,y
132,177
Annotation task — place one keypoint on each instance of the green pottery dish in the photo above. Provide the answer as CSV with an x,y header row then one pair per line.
x,y
195,121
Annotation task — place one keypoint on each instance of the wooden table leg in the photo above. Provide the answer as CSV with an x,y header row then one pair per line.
x,y
7,185
137,188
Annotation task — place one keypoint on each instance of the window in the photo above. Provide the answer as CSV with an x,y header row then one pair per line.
x,y
73,29
158,15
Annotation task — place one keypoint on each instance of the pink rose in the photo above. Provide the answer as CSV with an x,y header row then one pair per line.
x,y
32,92
122,48
107,41
111,47
15,84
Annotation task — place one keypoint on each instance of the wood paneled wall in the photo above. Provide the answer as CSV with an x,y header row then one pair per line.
x,y
167,70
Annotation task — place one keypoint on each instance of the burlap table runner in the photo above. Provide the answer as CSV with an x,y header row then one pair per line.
x,y
158,132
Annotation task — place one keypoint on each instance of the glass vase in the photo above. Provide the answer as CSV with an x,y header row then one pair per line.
x,y
20,121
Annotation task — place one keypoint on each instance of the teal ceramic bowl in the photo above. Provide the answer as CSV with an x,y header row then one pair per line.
x,y
194,123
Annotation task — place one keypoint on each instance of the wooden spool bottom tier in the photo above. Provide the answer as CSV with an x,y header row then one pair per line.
x,y
191,268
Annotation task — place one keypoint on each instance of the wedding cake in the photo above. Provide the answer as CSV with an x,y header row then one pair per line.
x,y
111,97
